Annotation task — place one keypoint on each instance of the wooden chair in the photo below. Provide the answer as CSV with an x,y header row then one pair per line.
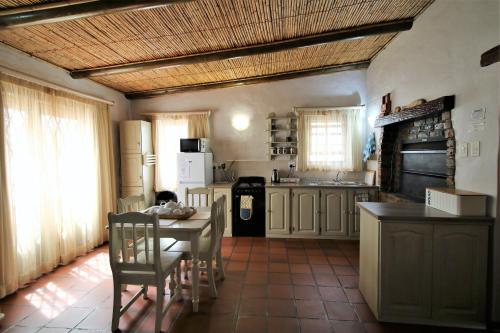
x,y
210,247
149,267
199,193
135,203
132,203
198,197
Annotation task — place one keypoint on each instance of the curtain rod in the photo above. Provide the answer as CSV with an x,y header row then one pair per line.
x,y
51,85
166,113
328,108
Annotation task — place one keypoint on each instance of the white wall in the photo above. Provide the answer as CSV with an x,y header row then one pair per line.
x,y
23,63
256,101
440,56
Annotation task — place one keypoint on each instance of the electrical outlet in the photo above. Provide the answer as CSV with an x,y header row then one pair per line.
x,y
462,149
474,149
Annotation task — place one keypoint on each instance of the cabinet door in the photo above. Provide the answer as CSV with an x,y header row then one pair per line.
x,y
146,138
405,270
334,212
226,192
277,211
191,167
353,210
131,169
460,266
130,137
305,208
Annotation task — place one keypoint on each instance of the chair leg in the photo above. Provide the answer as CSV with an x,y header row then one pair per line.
x,y
178,287
186,268
211,279
145,291
172,284
220,264
117,300
159,307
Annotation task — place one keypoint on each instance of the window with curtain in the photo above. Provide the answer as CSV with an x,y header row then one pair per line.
x,y
58,170
329,139
168,130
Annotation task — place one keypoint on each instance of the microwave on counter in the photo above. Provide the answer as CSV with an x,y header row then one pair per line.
x,y
199,145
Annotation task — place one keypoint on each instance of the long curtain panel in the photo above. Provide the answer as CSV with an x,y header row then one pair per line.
x,y
167,132
59,175
329,139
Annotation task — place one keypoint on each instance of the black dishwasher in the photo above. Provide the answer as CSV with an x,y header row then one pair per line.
x,y
249,207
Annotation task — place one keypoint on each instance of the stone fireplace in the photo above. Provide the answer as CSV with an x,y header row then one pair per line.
x,y
416,150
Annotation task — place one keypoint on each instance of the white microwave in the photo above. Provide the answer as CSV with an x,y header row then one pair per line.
x,y
198,145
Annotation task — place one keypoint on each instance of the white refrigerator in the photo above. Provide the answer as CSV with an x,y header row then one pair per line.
x,y
193,170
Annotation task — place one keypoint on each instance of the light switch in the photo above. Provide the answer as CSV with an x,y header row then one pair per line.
x,y
462,149
474,149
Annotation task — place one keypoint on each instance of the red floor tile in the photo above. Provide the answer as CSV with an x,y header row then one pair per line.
x,y
334,294
310,309
340,311
279,324
251,324
303,279
315,326
271,285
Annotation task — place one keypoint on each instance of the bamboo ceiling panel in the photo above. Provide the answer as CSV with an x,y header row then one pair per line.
x,y
272,63
195,27
4,4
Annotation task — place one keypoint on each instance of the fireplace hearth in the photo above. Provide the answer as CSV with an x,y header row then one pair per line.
x,y
416,150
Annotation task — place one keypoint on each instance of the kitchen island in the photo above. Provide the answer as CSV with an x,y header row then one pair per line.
x,y
424,266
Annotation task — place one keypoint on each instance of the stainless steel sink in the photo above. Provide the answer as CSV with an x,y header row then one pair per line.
x,y
351,183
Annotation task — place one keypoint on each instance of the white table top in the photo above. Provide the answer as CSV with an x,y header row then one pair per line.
x,y
198,221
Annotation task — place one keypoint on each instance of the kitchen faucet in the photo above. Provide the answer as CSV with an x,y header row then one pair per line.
x,y
337,180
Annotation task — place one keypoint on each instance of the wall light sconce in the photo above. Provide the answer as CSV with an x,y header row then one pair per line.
x,y
240,122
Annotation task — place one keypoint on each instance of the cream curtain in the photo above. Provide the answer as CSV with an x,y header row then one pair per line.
x,y
167,132
58,169
329,139
198,126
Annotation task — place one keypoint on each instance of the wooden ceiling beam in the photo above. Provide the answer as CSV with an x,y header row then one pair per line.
x,y
491,56
72,10
328,37
248,81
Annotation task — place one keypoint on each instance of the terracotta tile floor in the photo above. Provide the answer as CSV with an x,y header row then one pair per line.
x,y
271,286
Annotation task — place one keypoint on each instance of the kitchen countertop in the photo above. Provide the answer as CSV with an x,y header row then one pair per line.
x,y
302,184
221,185
319,184
416,212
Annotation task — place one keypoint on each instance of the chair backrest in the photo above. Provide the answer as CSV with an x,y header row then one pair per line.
x,y
132,203
217,223
132,227
199,193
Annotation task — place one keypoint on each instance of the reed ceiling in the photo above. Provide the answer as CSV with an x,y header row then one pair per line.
x,y
205,26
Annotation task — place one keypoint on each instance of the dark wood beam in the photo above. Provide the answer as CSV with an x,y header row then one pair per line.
x,y
491,56
328,37
248,81
438,105
71,10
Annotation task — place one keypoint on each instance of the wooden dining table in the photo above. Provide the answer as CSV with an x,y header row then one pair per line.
x,y
189,230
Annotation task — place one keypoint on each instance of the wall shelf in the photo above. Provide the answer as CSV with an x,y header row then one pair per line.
x,y
282,133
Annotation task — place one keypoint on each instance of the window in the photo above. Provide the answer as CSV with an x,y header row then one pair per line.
x,y
59,176
329,139
168,129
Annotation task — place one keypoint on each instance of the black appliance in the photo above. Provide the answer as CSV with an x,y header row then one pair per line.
x,y
199,145
422,165
165,196
253,224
